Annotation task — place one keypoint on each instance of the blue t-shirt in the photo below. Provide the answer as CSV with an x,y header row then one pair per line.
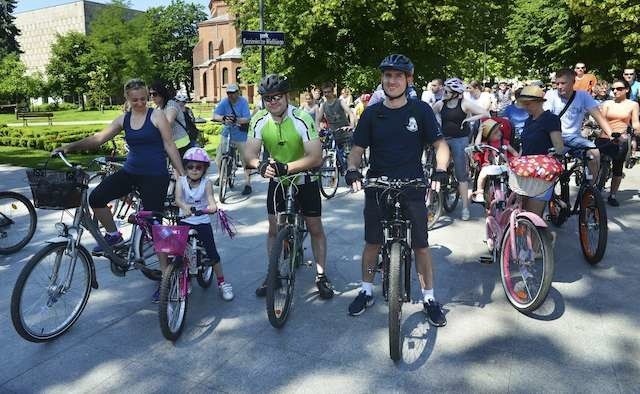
x,y
146,149
378,95
635,91
396,138
535,136
241,108
516,115
574,115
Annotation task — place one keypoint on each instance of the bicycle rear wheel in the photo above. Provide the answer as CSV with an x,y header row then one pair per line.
x,y
18,222
173,300
527,271
146,254
450,193
51,293
434,207
396,299
222,179
557,214
592,225
281,277
205,272
329,176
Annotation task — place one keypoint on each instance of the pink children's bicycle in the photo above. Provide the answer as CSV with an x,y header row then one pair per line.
x,y
519,240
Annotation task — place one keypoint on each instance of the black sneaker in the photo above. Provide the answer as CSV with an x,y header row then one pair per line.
x,y
361,302
261,291
613,202
216,182
324,287
247,190
434,313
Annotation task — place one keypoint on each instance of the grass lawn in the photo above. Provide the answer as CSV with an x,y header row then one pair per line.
x,y
25,157
66,116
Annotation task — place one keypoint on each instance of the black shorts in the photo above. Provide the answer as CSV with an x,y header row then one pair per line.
x,y
307,198
153,190
415,211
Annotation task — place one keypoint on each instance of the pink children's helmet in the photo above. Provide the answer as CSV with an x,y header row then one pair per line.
x,y
197,154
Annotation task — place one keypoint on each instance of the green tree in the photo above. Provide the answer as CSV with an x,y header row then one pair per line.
x,y
8,30
174,33
69,66
98,87
15,86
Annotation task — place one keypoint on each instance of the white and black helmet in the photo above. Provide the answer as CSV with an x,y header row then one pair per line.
x,y
455,85
272,84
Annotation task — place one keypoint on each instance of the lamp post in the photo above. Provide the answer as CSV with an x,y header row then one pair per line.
x,y
484,64
262,46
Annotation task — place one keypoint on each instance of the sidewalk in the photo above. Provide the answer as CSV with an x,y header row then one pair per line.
x,y
583,339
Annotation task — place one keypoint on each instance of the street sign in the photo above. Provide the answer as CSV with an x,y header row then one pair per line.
x,y
274,38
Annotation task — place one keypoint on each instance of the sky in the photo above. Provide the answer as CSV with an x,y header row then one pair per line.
x,y
142,5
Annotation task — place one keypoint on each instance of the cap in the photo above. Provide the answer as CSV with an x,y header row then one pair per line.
x,y
232,88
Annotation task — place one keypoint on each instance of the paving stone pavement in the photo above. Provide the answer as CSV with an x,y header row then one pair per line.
x,y
583,339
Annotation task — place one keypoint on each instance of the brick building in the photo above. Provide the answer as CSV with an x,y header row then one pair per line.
x,y
217,57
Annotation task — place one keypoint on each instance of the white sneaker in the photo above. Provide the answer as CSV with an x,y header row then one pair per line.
x,y
465,214
226,291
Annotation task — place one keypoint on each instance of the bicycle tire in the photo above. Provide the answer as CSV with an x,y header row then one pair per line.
x,y
450,193
82,272
172,308
10,216
281,269
603,174
592,202
145,253
396,299
524,299
222,179
329,176
434,208
205,272
557,214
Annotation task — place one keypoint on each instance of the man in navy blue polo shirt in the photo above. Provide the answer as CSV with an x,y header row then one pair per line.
x,y
396,131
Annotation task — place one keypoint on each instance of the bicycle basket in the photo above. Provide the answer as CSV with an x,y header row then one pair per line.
x,y
54,189
528,185
343,135
170,239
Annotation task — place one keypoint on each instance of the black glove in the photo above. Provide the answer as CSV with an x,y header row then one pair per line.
x,y
280,168
351,176
440,176
262,167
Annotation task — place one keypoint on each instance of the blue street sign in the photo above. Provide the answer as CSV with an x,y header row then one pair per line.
x,y
274,38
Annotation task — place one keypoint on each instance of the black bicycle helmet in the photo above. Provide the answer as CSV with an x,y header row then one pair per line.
x,y
397,62
272,84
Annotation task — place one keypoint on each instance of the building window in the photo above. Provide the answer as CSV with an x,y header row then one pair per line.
x,y
225,76
210,50
204,84
238,75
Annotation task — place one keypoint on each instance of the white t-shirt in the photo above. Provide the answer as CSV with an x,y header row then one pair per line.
x,y
573,117
196,197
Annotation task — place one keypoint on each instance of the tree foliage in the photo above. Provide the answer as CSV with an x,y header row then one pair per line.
x,y
69,65
8,30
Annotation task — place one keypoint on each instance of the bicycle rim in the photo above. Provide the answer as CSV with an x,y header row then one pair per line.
x,y
222,180
18,222
329,176
396,298
281,278
527,271
173,301
50,293
592,226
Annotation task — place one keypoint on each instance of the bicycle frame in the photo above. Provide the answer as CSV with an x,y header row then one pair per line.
x,y
291,216
579,165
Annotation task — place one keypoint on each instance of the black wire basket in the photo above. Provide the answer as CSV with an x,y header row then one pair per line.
x,y
53,189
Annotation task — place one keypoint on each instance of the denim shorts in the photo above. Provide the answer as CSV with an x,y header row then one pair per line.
x,y
460,160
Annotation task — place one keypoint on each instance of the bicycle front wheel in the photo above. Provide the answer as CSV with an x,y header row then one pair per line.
x,y
18,222
51,292
396,290
173,300
329,176
281,277
222,179
526,265
592,225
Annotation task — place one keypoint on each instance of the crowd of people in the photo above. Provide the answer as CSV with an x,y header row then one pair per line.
x,y
392,122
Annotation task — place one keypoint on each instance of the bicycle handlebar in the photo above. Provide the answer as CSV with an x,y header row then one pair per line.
x,y
393,183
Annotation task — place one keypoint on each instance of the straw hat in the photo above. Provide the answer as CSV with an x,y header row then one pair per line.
x,y
531,93
487,127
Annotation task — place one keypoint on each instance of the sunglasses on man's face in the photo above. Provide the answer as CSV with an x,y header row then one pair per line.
x,y
618,88
153,94
196,167
275,97
580,68
629,74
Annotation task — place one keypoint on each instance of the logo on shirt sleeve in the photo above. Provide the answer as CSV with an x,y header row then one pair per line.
x,y
412,126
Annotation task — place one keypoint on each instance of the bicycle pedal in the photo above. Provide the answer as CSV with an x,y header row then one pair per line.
x,y
486,260
117,270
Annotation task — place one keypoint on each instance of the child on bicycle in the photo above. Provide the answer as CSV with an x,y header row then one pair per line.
x,y
491,134
196,191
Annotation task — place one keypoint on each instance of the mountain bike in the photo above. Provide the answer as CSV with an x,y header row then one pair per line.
x,y
287,253
588,205
53,287
18,220
450,192
433,198
395,263
228,166
518,240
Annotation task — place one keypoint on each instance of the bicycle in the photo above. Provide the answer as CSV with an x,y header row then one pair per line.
x,y
336,148
606,161
519,240
287,254
395,263
186,255
18,221
450,192
589,205
228,166
433,198
61,275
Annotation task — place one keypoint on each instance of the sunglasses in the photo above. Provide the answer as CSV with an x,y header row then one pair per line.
x,y
618,88
134,84
196,167
153,94
580,68
629,74
275,97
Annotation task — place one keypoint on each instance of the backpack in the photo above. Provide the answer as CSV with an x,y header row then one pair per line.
x,y
190,127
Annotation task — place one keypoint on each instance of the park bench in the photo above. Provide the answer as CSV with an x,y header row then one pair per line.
x,y
31,115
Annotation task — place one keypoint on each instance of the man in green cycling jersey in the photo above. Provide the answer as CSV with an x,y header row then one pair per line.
x,y
291,139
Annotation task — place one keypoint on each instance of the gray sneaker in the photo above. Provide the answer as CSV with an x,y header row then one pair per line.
x,y
226,291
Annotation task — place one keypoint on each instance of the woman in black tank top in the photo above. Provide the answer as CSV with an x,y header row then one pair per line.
x,y
454,111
